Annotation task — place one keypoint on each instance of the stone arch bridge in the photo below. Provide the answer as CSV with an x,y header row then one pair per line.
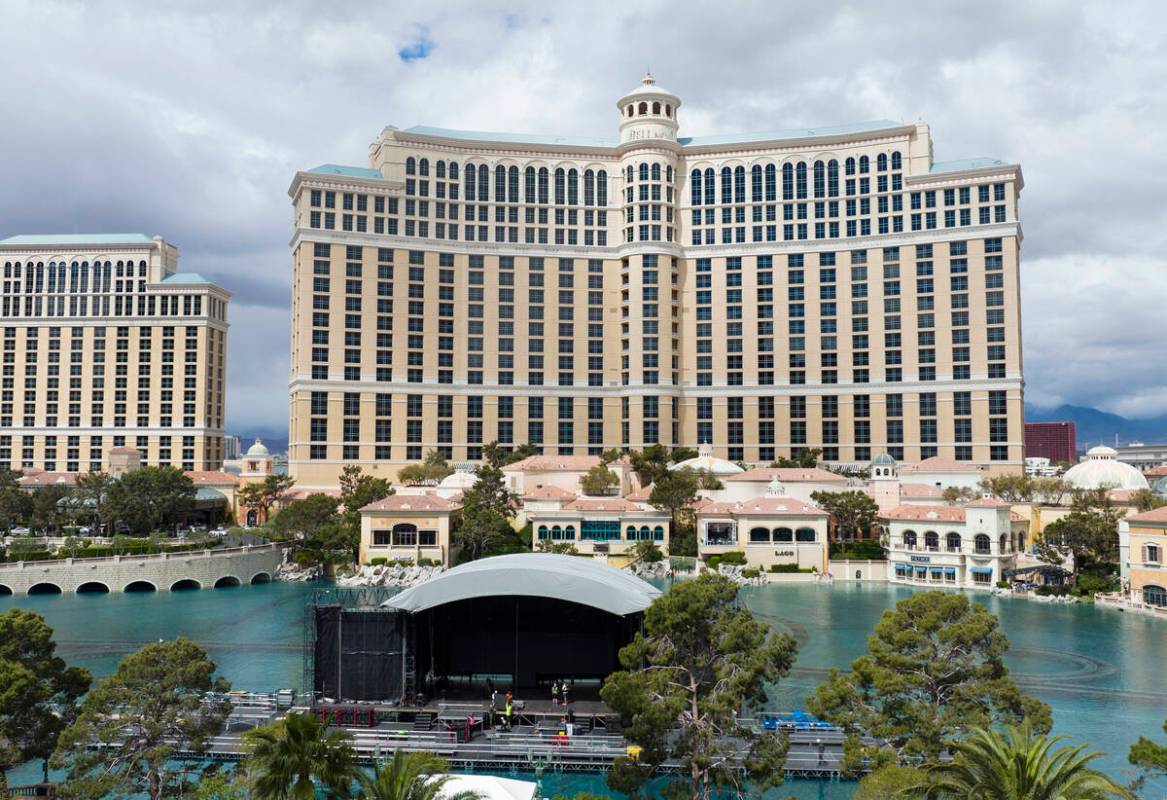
x,y
196,569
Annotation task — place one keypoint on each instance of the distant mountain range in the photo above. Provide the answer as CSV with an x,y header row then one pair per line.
x,y
1095,427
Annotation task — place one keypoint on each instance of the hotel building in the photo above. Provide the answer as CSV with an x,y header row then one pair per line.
x,y
763,293
107,346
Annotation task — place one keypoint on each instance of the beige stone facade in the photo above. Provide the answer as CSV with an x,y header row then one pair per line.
x,y
763,293
106,346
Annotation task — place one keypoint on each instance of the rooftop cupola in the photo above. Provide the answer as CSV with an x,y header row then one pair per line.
x,y
648,112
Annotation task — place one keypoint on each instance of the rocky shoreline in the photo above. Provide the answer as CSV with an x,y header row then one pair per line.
x,y
388,575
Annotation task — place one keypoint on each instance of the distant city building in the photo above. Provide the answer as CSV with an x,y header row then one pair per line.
x,y
832,288
107,346
1141,456
1056,441
232,448
1039,467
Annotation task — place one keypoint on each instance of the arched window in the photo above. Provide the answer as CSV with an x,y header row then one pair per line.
x,y
805,535
630,533
658,533
739,184
1155,595
864,165
440,169
411,166
932,540
1003,543
832,178
560,186
656,172
783,535
543,178
820,179
589,188
800,180
896,160
471,181
983,543
513,185
500,184
695,186
881,162
542,531
952,542
759,535
602,188
644,172
483,183
569,532
556,533
423,167
642,109
656,107
529,185
668,110
756,183
572,187
628,111
909,539
787,181
849,166
404,533
453,170
628,174
726,185
669,173
710,195
645,533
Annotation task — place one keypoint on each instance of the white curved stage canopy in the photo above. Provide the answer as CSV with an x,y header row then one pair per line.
x,y
571,578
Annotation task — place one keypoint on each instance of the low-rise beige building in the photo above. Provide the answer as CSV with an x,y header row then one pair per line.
x,y
598,525
409,528
798,482
770,531
967,546
1143,557
106,345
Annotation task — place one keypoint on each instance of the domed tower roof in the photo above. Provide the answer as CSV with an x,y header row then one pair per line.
x,y
884,459
1102,469
707,462
257,449
648,112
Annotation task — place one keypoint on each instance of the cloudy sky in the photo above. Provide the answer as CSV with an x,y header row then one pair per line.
x,y
189,119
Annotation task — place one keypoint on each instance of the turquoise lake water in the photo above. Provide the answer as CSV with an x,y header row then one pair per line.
x,y
1100,670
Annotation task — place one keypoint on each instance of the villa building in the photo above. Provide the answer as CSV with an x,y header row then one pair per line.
x,y
408,528
830,288
598,525
1142,544
967,546
107,346
771,530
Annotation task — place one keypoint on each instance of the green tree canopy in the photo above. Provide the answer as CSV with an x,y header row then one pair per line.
x,y
492,453
804,457
599,480
700,658
1150,757
154,699
145,498
933,667
1146,500
288,758
429,472
1088,537
484,524
357,490
306,517
15,503
48,513
262,496
38,692
650,464
1012,487
1019,764
854,514
88,499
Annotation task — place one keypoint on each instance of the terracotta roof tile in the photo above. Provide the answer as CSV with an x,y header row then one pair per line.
x,y
764,507
926,513
601,504
641,495
549,493
1154,515
211,477
920,491
412,502
940,464
553,464
788,475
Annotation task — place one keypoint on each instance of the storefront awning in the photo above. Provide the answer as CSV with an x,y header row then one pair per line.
x,y
981,570
950,570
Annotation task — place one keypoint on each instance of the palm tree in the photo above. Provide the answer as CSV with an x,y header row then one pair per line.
x,y
287,755
1018,764
411,776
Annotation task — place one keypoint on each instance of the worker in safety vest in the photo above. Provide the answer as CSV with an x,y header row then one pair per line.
x,y
510,711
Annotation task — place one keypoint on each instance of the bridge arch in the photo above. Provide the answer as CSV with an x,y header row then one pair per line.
x,y
140,586
185,584
44,588
93,587
261,577
227,581
5,591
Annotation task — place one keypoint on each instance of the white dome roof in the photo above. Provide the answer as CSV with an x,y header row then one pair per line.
x,y
459,479
1102,470
705,462
648,88
257,449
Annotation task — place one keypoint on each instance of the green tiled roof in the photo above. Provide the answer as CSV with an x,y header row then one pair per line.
x,y
790,133
349,172
966,163
517,138
39,239
186,277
